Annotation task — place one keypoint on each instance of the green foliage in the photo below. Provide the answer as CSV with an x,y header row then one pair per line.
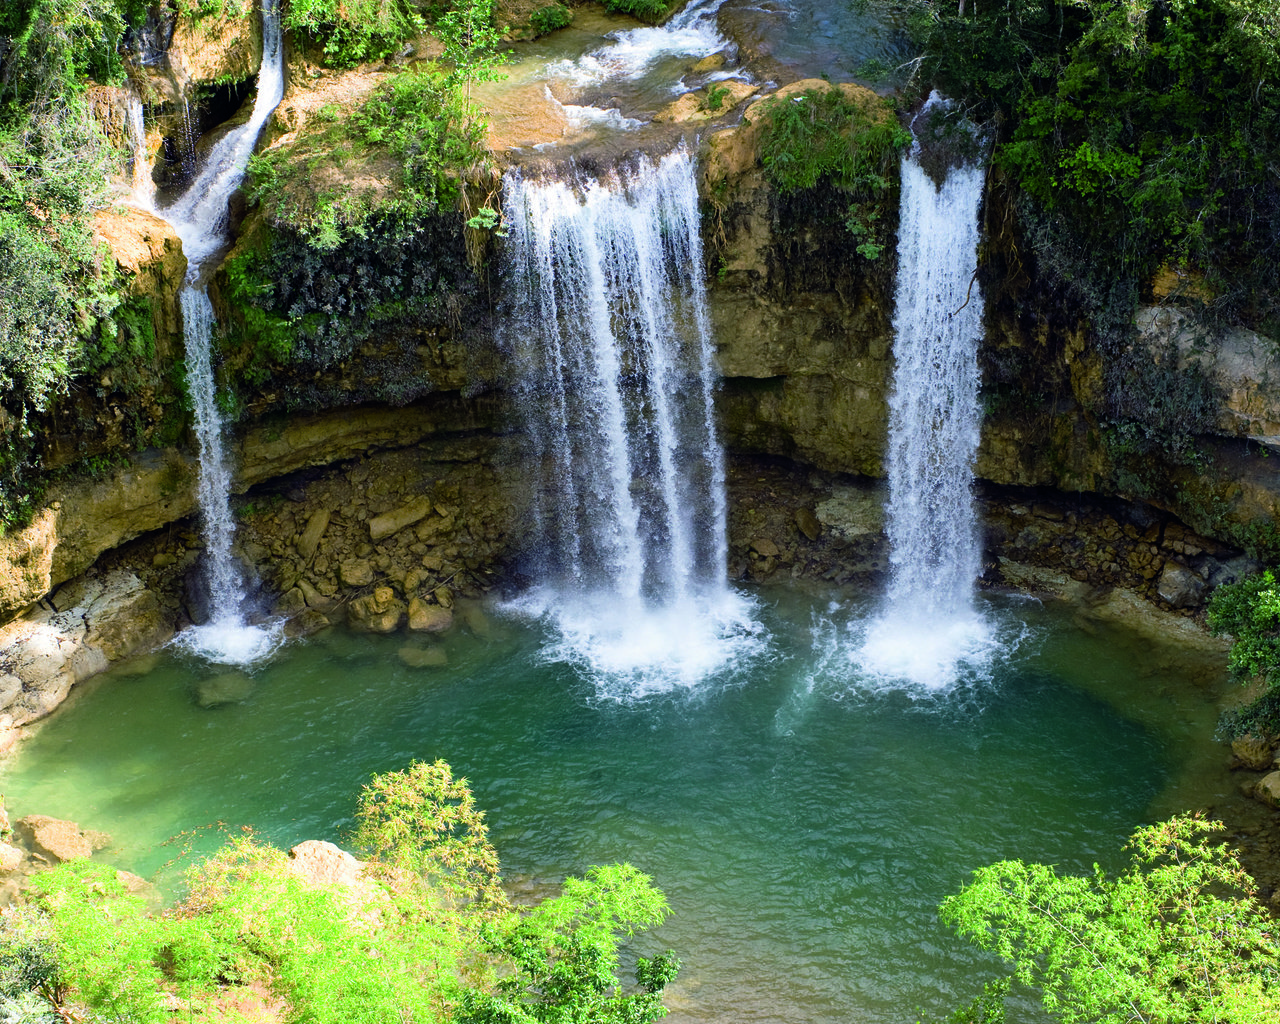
x,y
651,11
565,952
423,820
1177,937
353,31
423,936
1141,131
1249,612
416,128
821,136
548,19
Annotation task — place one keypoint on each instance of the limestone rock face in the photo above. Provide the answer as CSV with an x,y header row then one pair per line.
x,y
216,48
147,248
56,841
96,620
802,326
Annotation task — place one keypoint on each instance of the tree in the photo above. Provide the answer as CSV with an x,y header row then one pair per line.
x,y
1175,939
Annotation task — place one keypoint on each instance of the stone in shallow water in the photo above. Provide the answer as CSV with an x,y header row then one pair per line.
x,y
227,688
428,618
424,657
55,840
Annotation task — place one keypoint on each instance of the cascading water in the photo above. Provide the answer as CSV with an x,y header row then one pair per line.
x,y
142,189
692,32
609,326
199,216
930,626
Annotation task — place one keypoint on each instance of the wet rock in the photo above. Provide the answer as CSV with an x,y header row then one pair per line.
x,y
390,523
1180,587
1267,789
808,524
358,572
10,689
10,858
309,539
708,64
379,612
764,547
474,619
1253,752
227,688
291,602
424,657
55,840
307,623
313,597
429,618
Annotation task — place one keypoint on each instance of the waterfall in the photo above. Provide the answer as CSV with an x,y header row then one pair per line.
x,y
141,187
199,216
930,626
608,327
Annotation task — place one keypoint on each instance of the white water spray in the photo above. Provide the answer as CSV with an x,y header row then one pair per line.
x,y
199,216
142,188
691,33
930,627
609,327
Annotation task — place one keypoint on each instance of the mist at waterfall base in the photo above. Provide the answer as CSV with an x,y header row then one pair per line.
x,y
606,322
803,822
199,217
930,633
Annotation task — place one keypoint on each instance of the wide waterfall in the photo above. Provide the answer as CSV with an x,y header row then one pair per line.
x,y
607,323
199,216
929,627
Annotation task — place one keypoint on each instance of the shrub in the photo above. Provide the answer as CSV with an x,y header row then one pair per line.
x,y
548,19
1176,937
646,10
821,137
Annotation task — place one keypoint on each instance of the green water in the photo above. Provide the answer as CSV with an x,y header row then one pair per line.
x,y
803,823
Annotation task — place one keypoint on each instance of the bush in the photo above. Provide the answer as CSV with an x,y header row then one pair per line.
x,y
646,10
823,138
1177,936
548,19
1249,612
425,937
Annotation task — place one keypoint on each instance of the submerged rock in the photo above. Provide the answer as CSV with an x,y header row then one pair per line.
x,y
429,618
424,657
227,688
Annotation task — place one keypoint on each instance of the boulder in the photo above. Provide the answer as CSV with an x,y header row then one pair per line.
x,y
55,840
358,572
1268,789
225,688
307,623
10,858
808,524
309,539
708,64
322,864
429,618
379,612
764,547
389,523
1254,752
1180,587
290,602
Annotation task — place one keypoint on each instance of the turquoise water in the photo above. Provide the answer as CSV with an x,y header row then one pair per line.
x,y
803,821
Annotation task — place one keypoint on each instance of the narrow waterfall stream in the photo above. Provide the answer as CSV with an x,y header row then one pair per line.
x,y
929,626
142,189
608,325
199,216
